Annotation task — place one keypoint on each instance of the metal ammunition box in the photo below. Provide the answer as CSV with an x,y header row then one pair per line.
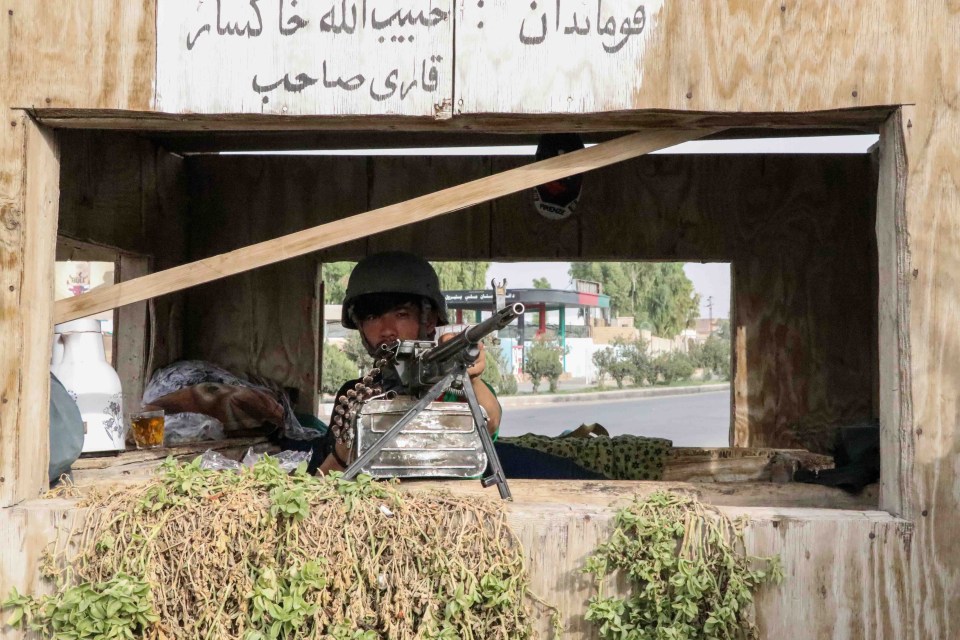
x,y
442,441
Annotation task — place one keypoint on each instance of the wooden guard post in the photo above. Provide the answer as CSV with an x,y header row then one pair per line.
x,y
369,223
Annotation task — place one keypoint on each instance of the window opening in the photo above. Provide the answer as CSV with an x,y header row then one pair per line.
x,y
656,334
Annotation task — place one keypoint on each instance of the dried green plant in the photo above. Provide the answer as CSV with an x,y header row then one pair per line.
x,y
258,555
688,573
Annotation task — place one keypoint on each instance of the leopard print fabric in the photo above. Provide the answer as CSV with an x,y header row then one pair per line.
x,y
618,458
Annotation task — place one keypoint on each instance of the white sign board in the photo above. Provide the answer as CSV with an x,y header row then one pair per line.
x,y
305,57
551,56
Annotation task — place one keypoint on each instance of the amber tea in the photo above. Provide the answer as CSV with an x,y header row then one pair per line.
x,y
147,427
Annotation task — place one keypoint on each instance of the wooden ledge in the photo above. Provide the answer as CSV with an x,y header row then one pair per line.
x,y
140,464
606,494
719,476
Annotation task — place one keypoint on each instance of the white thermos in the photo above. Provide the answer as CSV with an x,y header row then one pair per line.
x,y
81,365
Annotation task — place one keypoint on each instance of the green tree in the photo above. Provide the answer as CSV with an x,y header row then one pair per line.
x,y
495,372
723,329
654,293
641,364
462,275
543,361
541,283
611,361
337,369
357,353
335,276
672,304
603,361
673,366
712,355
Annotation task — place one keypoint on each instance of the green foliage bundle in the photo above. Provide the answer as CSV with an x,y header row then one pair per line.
x,y
625,359
495,372
543,360
335,277
121,607
712,355
337,368
688,573
462,275
266,555
673,366
611,361
541,283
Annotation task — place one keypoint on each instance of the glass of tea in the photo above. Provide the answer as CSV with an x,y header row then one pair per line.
x,y
147,428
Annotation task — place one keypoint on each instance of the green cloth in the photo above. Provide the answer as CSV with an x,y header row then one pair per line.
x,y
618,458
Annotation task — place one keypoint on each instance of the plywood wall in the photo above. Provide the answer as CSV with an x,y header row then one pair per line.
x,y
804,311
265,322
27,250
799,232
126,193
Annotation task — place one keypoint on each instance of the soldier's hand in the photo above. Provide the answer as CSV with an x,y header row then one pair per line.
x,y
479,365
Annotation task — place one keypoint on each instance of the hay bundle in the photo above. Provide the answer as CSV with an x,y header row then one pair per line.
x,y
205,554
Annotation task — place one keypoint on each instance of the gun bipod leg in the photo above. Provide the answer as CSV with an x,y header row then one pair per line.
x,y
496,477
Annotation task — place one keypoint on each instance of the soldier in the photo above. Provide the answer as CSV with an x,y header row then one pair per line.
x,y
396,296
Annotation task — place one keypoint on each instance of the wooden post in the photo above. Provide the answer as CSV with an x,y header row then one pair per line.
x,y
27,249
131,336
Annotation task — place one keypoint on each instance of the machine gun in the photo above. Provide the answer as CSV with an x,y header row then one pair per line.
x,y
425,370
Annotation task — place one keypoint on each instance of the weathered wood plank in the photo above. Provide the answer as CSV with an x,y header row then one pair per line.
x,y
932,383
131,337
139,465
262,131
896,406
395,179
691,464
363,58
28,244
811,375
13,435
512,45
264,321
763,56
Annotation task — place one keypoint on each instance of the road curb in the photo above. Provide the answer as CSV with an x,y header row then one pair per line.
x,y
619,394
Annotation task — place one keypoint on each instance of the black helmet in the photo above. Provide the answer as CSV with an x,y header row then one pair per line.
x,y
393,272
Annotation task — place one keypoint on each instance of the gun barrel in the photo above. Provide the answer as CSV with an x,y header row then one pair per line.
x,y
474,334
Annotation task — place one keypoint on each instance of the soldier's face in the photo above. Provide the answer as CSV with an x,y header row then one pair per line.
x,y
400,323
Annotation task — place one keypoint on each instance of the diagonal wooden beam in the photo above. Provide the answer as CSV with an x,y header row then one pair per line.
x,y
369,223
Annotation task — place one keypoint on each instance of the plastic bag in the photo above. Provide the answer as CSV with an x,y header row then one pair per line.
x,y
289,460
189,427
218,462
186,373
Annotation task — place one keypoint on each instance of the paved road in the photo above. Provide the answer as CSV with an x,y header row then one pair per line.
x,y
697,420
